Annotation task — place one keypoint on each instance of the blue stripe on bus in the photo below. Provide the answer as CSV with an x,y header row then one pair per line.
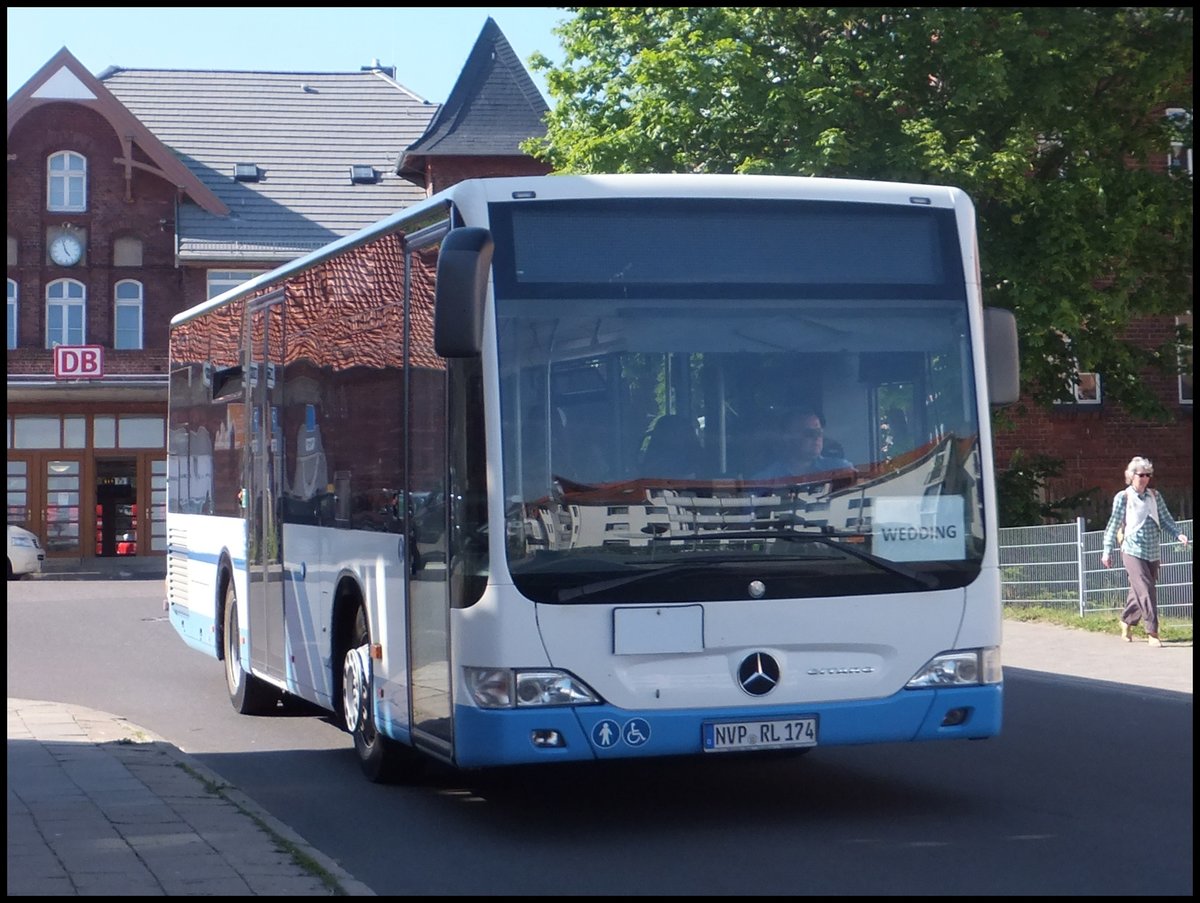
x,y
213,558
502,737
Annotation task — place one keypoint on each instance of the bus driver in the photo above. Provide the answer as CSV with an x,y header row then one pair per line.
x,y
801,447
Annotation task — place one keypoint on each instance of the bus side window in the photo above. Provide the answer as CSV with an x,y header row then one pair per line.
x,y
227,382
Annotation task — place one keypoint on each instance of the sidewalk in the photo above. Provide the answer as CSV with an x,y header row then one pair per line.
x,y
1062,651
97,805
133,567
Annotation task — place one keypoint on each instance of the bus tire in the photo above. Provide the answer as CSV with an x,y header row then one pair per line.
x,y
382,760
248,694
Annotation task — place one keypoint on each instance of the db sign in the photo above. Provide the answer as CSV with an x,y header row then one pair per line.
x,y
78,362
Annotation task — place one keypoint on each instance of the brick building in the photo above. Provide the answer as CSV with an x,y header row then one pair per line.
x,y
137,194
1094,439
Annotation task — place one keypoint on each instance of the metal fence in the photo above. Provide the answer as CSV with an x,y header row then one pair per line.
x,y
1058,566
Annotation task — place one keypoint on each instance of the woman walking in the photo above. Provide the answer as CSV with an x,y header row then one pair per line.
x,y
1140,515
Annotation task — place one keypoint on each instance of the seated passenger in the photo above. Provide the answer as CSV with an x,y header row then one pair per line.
x,y
673,450
801,448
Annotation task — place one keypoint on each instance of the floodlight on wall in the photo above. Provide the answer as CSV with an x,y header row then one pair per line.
x,y
362,174
245,172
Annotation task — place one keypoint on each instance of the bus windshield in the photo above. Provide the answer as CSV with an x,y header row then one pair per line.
x,y
712,399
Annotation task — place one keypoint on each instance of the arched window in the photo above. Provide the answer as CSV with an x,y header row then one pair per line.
x,y
66,181
66,312
12,314
127,316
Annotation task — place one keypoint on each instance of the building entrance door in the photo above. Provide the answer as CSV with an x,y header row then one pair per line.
x,y
116,507
61,512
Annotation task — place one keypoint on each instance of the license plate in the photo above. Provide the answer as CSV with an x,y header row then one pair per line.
x,y
781,733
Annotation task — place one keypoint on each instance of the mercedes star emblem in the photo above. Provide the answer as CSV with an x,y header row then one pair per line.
x,y
758,674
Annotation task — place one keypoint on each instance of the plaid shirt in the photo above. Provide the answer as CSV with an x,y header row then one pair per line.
x,y
1145,542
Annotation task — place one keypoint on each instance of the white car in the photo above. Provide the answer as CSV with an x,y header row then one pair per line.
x,y
25,555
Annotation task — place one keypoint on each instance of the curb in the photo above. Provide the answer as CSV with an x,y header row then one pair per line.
x,y
344,883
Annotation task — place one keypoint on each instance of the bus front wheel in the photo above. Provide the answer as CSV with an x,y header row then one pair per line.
x,y
382,760
248,694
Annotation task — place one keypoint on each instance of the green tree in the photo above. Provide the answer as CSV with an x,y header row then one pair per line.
x,y
1044,116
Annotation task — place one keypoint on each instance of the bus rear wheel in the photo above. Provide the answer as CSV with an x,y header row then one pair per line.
x,y
248,694
382,760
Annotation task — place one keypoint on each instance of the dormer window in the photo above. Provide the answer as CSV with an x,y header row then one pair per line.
x,y
362,174
245,172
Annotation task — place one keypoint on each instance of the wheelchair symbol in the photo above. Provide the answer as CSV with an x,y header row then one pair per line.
x,y
637,731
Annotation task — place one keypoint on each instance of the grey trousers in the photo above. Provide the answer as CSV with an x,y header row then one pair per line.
x,y
1142,601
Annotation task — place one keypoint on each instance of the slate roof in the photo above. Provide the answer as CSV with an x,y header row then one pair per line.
x,y
303,130
493,107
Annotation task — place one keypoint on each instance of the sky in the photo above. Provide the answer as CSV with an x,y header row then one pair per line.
x,y
427,46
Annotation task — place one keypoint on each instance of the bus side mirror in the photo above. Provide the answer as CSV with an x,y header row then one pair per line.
x,y
1003,359
462,280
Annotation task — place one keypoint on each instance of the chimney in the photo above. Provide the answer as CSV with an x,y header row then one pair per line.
x,y
376,66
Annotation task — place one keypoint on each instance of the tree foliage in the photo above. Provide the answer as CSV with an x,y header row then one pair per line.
x,y
1046,117
1020,492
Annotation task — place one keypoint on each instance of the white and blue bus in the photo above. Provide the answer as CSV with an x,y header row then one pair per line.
x,y
422,478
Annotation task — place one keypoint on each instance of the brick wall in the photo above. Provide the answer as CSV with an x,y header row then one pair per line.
x,y
1096,442
449,170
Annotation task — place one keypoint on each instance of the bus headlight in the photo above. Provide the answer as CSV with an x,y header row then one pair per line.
x,y
491,688
503,688
959,669
552,688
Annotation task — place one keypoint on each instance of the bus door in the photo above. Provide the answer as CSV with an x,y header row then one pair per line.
x,y
428,585
264,485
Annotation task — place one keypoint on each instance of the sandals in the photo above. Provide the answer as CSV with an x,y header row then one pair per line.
x,y
1127,636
